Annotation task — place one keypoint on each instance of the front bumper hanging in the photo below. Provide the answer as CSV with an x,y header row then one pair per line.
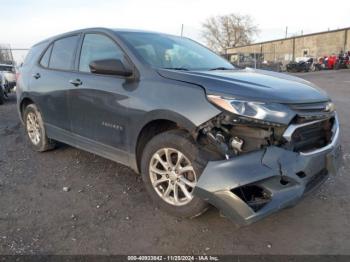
x,y
251,186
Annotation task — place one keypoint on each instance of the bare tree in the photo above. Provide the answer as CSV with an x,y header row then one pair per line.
x,y
230,30
5,54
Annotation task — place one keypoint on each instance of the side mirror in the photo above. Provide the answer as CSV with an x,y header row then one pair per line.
x,y
109,67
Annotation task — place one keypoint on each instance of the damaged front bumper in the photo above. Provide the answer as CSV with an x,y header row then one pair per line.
x,y
251,186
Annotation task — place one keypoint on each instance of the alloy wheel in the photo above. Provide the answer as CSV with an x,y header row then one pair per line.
x,y
33,128
172,176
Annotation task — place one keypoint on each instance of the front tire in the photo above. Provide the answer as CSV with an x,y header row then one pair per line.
x,y
171,165
35,129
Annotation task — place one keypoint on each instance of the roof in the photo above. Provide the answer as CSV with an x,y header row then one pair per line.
x,y
116,30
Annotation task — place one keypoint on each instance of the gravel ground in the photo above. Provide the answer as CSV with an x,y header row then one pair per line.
x,y
68,201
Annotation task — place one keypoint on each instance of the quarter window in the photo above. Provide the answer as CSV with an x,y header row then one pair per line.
x,y
98,47
34,53
46,57
62,55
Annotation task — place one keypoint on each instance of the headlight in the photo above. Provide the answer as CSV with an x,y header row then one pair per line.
x,y
271,112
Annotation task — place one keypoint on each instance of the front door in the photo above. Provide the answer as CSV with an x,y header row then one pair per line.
x,y
99,103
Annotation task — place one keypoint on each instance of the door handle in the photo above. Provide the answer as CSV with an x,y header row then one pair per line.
x,y
76,82
36,76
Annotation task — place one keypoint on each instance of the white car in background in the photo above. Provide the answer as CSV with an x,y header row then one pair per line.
x,y
7,80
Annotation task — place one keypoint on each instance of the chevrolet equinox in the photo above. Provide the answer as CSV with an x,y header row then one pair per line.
x,y
197,129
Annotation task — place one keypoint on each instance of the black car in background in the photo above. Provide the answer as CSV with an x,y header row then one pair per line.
x,y
302,64
199,131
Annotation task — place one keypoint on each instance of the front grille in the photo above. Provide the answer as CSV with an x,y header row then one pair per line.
x,y
310,111
309,107
313,136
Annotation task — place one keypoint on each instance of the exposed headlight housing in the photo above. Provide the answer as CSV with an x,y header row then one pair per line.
x,y
269,112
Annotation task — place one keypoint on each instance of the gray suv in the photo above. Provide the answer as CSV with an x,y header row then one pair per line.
x,y
197,129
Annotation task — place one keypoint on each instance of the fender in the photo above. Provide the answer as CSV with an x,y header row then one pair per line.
x,y
180,120
168,115
154,115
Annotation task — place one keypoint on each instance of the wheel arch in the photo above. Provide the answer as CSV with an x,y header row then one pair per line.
x,y
25,101
158,122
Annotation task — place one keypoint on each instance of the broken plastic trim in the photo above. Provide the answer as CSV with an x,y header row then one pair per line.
x,y
255,197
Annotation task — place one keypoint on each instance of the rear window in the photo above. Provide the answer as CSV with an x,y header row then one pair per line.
x,y
62,55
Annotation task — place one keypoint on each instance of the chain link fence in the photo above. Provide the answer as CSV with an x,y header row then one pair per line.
x,y
258,60
273,61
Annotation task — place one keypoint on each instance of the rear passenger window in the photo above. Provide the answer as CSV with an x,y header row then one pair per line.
x,y
62,55
98,47
46,57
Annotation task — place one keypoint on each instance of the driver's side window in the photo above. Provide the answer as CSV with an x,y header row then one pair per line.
x,y
98,47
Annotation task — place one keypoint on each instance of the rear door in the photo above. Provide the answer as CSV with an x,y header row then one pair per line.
x,y
50,83
99,103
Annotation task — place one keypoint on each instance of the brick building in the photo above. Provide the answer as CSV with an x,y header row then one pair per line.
x,y
287,49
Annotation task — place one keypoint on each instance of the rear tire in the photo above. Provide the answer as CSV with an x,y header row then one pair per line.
x,y
160,162
35,129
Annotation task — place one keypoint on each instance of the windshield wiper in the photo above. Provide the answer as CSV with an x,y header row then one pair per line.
x,y
177,68
220,68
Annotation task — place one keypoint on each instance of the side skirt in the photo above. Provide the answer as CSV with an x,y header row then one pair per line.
x,y
88,145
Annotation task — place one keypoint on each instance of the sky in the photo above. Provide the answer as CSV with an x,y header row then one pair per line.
x,y
25,22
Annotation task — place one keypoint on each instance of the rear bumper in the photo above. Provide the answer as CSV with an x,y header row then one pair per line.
x,y
282,176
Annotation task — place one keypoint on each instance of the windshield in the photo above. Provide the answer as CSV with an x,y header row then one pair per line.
x,y
172,52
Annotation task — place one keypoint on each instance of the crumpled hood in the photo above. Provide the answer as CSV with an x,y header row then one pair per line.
x,y
259,85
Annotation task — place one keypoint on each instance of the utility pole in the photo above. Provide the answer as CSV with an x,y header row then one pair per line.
x,y
11,55
286,31
182,29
